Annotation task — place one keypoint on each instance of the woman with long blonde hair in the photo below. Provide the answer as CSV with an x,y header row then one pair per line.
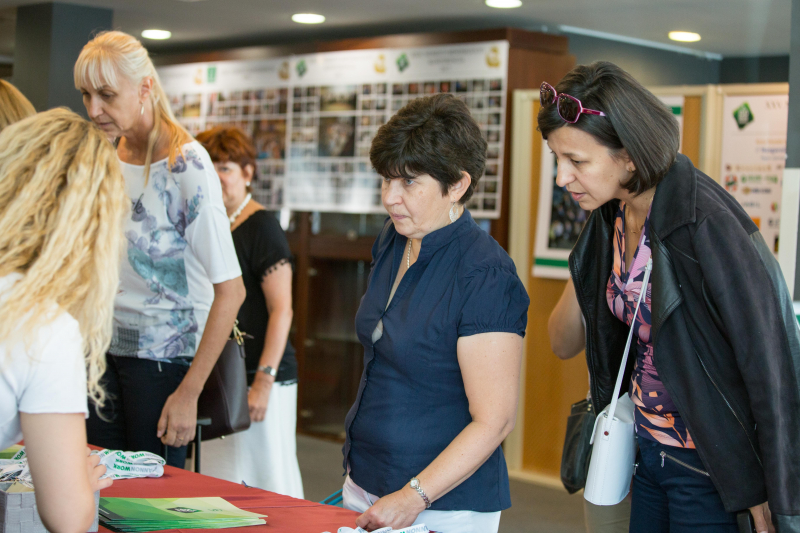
x,y
180,281
62,200
13,105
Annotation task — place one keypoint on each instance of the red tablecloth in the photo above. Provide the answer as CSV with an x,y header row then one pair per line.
x,y
285,514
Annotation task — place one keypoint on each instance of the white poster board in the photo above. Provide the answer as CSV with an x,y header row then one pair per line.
x,y
753,156
313,117
675,104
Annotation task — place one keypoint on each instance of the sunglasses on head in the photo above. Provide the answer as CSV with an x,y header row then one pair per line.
x,y
569,108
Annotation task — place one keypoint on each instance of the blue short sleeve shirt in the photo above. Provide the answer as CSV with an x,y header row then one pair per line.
x,y
411,401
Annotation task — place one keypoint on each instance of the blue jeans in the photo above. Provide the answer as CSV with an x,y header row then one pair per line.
x,y
673,494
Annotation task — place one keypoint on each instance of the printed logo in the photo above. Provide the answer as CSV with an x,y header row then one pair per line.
x,y
743,115
198,77
284,71
380,64
402,62
211,74
183,510
731,182
774,207
301,68
493,57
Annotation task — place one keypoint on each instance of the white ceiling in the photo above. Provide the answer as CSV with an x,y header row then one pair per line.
x,y
728,27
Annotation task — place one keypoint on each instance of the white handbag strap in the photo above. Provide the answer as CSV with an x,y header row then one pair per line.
x,y
613,407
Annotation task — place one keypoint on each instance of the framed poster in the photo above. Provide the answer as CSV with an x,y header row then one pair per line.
x,y
559,223
313,117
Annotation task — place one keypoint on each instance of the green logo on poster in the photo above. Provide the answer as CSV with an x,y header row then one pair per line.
x,y
402,62
183,510
743,115
211,74
301,67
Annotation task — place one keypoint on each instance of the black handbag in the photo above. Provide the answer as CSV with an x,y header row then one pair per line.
x,y
577,450
224,396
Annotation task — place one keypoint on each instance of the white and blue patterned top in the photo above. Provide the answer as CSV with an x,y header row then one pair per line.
x,y
177,245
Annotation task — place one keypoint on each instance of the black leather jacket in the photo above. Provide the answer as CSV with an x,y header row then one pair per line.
x,y
726,340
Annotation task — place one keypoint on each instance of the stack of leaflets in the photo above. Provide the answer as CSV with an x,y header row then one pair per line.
x,y
152,514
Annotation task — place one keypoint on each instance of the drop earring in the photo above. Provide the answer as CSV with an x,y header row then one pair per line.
x,y
453,212
141,111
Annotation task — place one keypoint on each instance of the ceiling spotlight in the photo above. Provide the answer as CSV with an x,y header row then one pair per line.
x,y
684,36
503,4
308,18
157,34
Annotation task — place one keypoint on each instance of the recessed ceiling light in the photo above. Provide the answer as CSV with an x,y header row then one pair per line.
x,y
503,4
157,34
684,36
308,18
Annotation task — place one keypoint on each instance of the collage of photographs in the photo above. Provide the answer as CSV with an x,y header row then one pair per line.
x,y
313,142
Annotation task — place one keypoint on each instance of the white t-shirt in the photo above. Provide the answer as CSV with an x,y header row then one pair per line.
x,y
48,376
178,243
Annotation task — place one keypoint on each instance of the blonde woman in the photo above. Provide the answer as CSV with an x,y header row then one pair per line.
x,y
180,281
62,199
13,105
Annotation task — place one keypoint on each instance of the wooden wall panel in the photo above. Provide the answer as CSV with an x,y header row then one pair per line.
x,y
551,385
692,119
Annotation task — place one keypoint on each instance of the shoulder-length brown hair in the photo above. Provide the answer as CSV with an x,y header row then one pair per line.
x,y
636,121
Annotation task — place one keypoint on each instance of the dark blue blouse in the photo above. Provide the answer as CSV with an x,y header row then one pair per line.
x,y
411,401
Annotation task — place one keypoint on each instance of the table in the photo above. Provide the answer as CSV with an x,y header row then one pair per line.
x,y
285,514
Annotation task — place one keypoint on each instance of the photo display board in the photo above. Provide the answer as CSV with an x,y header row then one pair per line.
x,y
754,156
312,117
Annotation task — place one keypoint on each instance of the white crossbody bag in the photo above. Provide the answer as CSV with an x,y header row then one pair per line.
x,y
613,439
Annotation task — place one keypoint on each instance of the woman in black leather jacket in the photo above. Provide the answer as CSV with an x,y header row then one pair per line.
x,y
715,364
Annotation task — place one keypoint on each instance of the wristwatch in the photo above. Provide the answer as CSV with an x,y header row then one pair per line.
x,y
268,370
415,485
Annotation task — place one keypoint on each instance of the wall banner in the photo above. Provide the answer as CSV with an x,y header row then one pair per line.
x,y
754,156
312,117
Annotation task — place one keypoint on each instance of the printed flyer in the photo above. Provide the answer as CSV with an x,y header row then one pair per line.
x,y
312,117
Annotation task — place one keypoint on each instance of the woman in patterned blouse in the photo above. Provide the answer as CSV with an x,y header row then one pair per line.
x,y
715,339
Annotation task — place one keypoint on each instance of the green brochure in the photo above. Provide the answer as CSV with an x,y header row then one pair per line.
x,y
149,514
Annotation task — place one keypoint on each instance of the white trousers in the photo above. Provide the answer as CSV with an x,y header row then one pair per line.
x,y
357,499
265,455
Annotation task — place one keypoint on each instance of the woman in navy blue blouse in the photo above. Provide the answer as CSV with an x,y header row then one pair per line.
x,y
442,323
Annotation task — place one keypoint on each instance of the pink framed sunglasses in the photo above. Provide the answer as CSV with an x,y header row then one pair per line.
x,y
569,108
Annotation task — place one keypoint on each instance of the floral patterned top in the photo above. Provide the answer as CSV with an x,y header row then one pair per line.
x,y
178,244
656,417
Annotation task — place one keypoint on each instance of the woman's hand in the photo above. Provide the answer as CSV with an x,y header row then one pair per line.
x,y
763,518
398,510
95,471
258,396
178,421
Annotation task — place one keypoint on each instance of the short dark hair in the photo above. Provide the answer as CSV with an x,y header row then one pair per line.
x,y
635,120
434,135
229,144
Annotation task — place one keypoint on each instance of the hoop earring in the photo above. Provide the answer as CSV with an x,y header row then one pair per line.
x,y
453,212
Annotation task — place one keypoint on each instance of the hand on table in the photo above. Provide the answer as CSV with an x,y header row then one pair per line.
x,y
178,421
95,471
398,510
762,518
258,396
